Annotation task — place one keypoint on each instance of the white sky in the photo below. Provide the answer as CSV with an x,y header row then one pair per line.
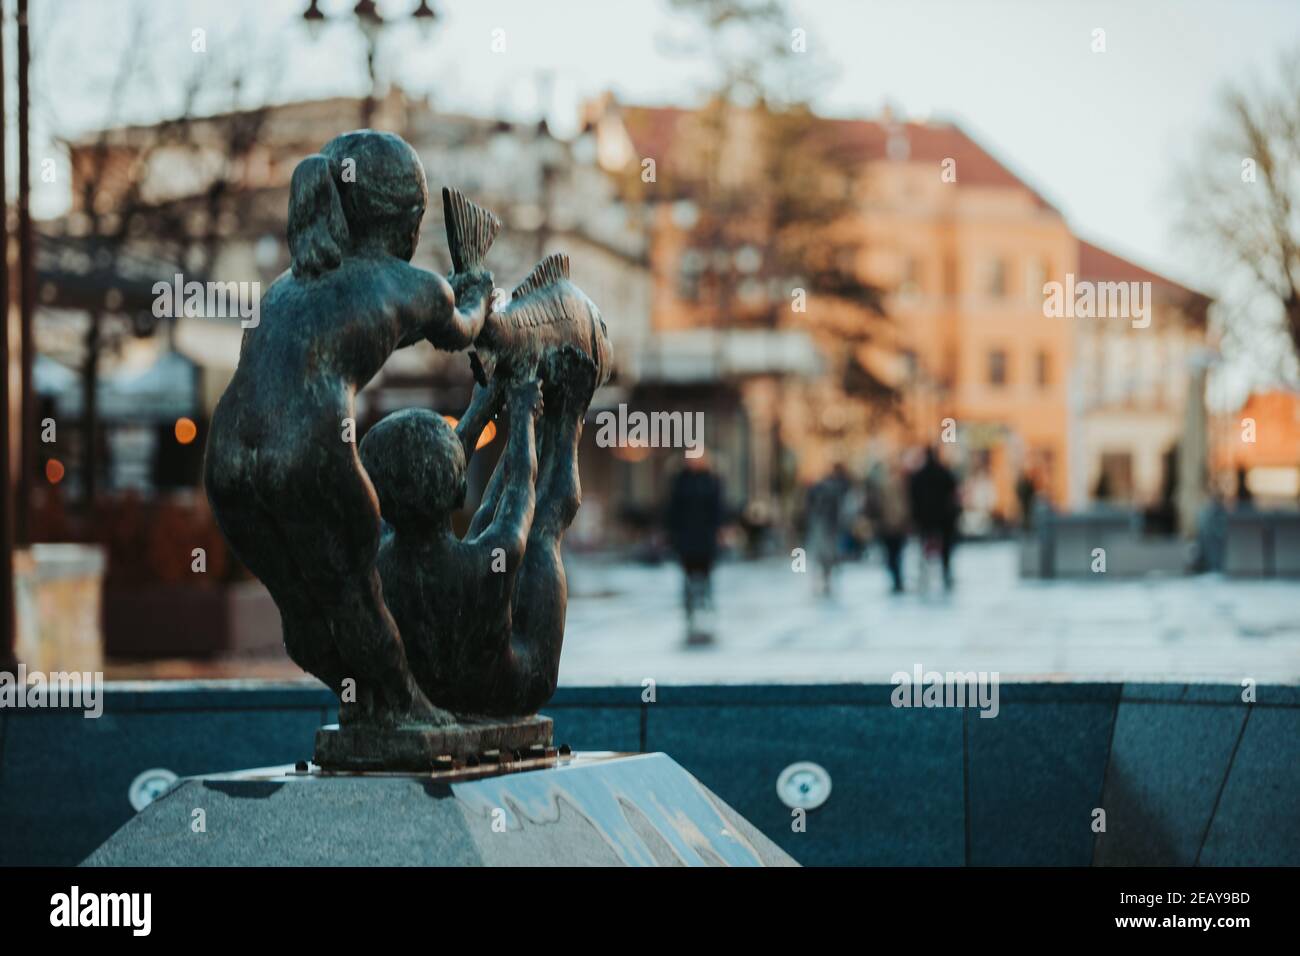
x,y
1100,134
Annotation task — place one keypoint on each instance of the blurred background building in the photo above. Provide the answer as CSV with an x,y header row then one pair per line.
x,y
958,331
955,329
825,290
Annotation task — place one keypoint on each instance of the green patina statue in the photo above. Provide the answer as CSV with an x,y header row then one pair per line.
x,y
425,625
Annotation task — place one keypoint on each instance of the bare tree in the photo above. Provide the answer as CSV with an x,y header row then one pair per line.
x,y
1242,198
768,175
118,217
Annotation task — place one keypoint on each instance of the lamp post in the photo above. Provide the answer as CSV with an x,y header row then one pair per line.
x,y
371,23
9,622
26,286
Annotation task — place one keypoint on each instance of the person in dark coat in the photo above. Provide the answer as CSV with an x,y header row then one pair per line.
x,y
695,516
826,525
887,505
1026,493
932,490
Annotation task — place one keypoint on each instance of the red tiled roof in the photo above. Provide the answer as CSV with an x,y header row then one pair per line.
x,y
1097,264
654,128
931,143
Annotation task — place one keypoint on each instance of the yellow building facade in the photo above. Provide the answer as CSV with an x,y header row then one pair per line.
x,y
963,250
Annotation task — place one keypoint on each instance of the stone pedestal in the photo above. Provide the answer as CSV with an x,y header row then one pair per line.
x,y
417,747
579,810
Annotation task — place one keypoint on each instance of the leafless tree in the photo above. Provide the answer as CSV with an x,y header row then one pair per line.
x,y
766,172
1242,196
115,215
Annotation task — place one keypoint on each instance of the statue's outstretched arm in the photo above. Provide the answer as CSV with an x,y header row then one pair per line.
x,y
450,314
514,512
487,507
466,295
483,406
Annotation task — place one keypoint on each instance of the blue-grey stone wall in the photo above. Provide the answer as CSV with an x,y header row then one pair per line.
x,y
1186,774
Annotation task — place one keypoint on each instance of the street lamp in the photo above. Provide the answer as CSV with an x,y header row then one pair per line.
x,y
372,23
314,19
367,14
424,17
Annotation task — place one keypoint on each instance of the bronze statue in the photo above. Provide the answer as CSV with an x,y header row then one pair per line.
x,y
282,470
426,623
484,616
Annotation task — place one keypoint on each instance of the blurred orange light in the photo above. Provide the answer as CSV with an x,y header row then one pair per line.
x,y
631,453
186,430
485,438
54,471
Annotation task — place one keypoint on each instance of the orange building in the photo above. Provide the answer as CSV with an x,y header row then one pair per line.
x,y
1262,440
966,256
963,250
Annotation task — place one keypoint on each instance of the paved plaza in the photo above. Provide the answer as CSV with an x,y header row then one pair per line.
x,y
625,625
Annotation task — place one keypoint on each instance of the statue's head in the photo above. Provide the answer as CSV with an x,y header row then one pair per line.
x,y
417,464
362,186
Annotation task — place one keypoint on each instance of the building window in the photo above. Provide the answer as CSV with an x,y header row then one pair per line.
x,y
1115,481
951,280
1035,278
1043,368
910,286
996,284
998,367
685,214
688,276
911,366
751,292
749,259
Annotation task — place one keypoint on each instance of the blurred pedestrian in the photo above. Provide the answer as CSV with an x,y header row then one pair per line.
x,y
932,490
887,506
1026,492
1212,532
1245,497
826,523
856,530
695,516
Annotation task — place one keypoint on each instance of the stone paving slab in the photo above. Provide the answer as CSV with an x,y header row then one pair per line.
x,y
625,626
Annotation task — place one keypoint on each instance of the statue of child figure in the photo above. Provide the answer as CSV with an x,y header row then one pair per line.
x,y
483,617
282,470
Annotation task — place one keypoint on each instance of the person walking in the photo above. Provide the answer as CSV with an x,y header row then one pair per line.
x,y
887,502
694,518
1026,493
825,517
932,490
